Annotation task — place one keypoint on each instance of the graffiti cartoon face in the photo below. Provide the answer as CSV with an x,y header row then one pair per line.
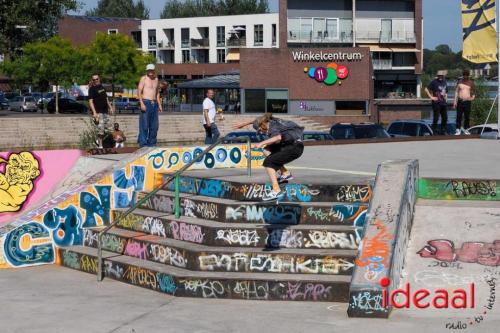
x,y
21,168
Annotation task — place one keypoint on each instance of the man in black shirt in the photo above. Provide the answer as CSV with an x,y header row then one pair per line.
x,y
100,106
438,93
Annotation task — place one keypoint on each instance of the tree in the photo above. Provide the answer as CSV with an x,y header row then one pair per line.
x,y
52,61
482,105
116,58
120,8
24,21
193,8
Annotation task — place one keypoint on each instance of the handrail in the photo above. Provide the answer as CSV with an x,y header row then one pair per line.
x,y
161,187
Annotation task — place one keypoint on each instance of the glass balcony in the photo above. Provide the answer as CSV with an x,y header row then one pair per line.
x,y
237,42
200,42
382,64
397,37
185,43
308,36
166,45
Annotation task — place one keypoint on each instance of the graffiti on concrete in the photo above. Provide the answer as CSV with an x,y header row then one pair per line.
x,y
375,252
17,180
459,189
486,254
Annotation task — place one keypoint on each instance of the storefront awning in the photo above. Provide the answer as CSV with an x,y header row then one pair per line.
x,y
378,48
224,81
233,56
401,49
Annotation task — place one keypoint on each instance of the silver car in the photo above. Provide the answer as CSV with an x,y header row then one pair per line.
x,y
23,104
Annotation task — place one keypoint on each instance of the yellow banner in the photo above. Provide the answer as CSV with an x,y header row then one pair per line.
x,y
479,31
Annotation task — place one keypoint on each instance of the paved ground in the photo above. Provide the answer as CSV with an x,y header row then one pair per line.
x,y
53,299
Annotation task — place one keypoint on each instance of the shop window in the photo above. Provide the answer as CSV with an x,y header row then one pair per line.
x,y
277,101
255,100
351,106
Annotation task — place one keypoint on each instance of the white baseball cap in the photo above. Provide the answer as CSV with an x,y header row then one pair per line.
x,y
150,67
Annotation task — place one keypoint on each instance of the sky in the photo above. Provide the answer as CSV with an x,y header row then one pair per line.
x,y
442,23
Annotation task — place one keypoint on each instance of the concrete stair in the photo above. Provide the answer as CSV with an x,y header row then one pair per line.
x,y
228,245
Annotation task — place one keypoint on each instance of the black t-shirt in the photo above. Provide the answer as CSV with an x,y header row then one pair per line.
x,y
438,89
98,95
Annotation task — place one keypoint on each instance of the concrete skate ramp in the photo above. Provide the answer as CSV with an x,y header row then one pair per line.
x,y
455,243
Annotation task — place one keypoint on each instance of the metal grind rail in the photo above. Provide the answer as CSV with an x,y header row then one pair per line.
x,y
176,177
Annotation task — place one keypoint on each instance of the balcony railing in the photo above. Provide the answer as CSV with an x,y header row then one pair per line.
x,y
397,37
301,36
152,44
237,42
185,43
385,36
382,64
200,42
166,45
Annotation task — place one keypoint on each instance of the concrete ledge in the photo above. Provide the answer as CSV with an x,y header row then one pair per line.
x,y
386,234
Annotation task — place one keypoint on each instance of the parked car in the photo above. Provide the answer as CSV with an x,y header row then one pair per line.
x,y
126,104
316,136
23,104
344,131
240,137
4,103
405,128
488,128
66,105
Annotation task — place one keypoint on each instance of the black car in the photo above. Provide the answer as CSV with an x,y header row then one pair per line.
x,y
346,131
66,105
316,136
240,137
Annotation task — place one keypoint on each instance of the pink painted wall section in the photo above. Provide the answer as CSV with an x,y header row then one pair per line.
x,y
27,178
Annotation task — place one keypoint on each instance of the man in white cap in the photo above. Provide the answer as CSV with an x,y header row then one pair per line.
x,y
437,91
150,102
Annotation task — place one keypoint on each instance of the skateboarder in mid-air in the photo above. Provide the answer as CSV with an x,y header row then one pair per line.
x,y
283,146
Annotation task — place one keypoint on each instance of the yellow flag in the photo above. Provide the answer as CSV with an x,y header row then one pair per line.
x,y
479,31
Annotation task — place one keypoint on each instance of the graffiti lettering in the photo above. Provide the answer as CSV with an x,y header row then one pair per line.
x,y
487,254
186,232
332,240
238,237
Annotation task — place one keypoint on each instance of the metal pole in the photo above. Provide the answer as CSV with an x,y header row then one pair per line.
x,y
497,3
99,258
249,157
177,197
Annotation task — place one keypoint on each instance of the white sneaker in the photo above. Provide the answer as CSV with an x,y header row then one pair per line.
x,y
466,132
271,195
458,132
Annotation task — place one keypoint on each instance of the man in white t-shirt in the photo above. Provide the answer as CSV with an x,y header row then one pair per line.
x,y
208,120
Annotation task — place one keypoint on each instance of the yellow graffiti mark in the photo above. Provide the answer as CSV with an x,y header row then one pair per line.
x,y
17,181
26,242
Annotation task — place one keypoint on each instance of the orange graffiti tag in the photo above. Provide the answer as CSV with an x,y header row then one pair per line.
x,y
376,248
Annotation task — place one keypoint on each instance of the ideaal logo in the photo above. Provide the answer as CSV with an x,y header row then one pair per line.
x,y
423,298
329,75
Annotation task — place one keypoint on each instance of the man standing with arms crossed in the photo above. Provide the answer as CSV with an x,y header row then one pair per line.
x,y
208,120
150,103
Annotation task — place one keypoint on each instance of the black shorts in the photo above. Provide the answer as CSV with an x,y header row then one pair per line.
x,y
282,154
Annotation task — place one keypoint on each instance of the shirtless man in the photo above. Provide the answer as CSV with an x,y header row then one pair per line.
x,y
464,95
149,98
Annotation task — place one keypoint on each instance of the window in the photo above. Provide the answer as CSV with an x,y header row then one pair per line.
x,y
151,38
350,106
277,101
221,56
403,59
137,37
255,100
221,36
185,37
411,129
274,34
258,39
112,31
186,56
395,128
